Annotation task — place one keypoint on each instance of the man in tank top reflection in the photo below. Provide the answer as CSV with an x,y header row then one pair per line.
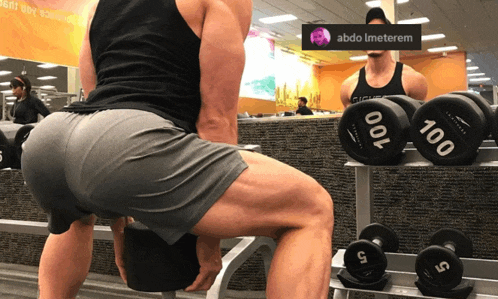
x,y
382,75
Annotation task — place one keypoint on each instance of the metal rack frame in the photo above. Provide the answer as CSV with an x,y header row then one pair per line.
x,y
482,273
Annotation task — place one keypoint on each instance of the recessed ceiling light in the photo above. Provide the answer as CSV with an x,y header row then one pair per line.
x,y
357,58
47,65
472,68
468,60
475,74
433,36
414,21
479,79
4,83
377,3
47,87
3,73
46,78
442,49
278,19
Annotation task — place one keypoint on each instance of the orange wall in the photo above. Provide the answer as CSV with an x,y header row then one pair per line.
x,y
255,106
443,74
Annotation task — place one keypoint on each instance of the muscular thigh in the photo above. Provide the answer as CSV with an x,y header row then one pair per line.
x,y
266,197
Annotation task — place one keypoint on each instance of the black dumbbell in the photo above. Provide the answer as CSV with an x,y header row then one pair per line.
x,y
21,136
374,132
152,265
449,129
365,259
439,266
5,152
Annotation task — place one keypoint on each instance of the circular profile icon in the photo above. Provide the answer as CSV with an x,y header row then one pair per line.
x,y
320,37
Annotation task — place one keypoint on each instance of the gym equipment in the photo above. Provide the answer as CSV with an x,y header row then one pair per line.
x,y
439,266
374,132
485,106
449,129
21,136
365,259
5,152
408,104
10,144
152,265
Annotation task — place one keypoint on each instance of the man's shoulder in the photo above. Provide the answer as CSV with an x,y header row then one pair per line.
x,y
353,79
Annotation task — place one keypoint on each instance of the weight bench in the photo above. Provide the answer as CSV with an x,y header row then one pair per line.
x,y
240,250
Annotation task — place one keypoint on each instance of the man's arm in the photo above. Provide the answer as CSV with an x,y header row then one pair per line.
x,y
117,227
346,90
415,84
222,59
88,77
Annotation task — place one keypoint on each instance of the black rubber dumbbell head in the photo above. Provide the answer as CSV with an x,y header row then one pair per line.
x,y
374,132
365,259
447,130
439,266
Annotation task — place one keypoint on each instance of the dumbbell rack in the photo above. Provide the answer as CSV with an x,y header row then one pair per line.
x,y
401,267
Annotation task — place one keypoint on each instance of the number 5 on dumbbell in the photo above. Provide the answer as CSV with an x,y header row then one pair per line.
x,y
439,267
365,259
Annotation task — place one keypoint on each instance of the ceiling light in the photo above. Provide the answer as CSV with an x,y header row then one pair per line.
x,y
278,19
6,91
442,49
47,87
480,79
3,73
3,57
47,65
475,74
377,3
415,21
46,78
468,60
4,83
357,58
472,68
433,36
10,98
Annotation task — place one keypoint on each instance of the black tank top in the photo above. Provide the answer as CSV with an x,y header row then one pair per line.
x,y
146,57
363,91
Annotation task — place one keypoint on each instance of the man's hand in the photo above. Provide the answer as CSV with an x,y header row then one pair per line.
x,y
209,256
117,228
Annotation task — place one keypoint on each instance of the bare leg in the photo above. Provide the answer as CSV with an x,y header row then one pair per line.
x,y
273,199
65,261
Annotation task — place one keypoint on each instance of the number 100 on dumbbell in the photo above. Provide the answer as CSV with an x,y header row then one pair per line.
x,y
374,132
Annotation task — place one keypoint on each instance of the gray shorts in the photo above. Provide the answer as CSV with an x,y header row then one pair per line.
x,y
126,162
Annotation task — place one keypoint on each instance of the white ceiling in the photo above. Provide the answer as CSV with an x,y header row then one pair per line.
x,y
471,25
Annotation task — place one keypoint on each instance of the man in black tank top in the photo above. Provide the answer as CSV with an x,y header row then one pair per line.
x,y
156,140
382,75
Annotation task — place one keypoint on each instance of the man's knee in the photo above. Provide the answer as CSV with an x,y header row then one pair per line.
x,y
320,207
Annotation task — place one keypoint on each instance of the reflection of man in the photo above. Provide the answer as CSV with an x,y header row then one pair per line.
x,y
303,110
382,75
319,38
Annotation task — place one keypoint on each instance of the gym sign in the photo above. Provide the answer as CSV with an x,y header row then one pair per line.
x,y
361,37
